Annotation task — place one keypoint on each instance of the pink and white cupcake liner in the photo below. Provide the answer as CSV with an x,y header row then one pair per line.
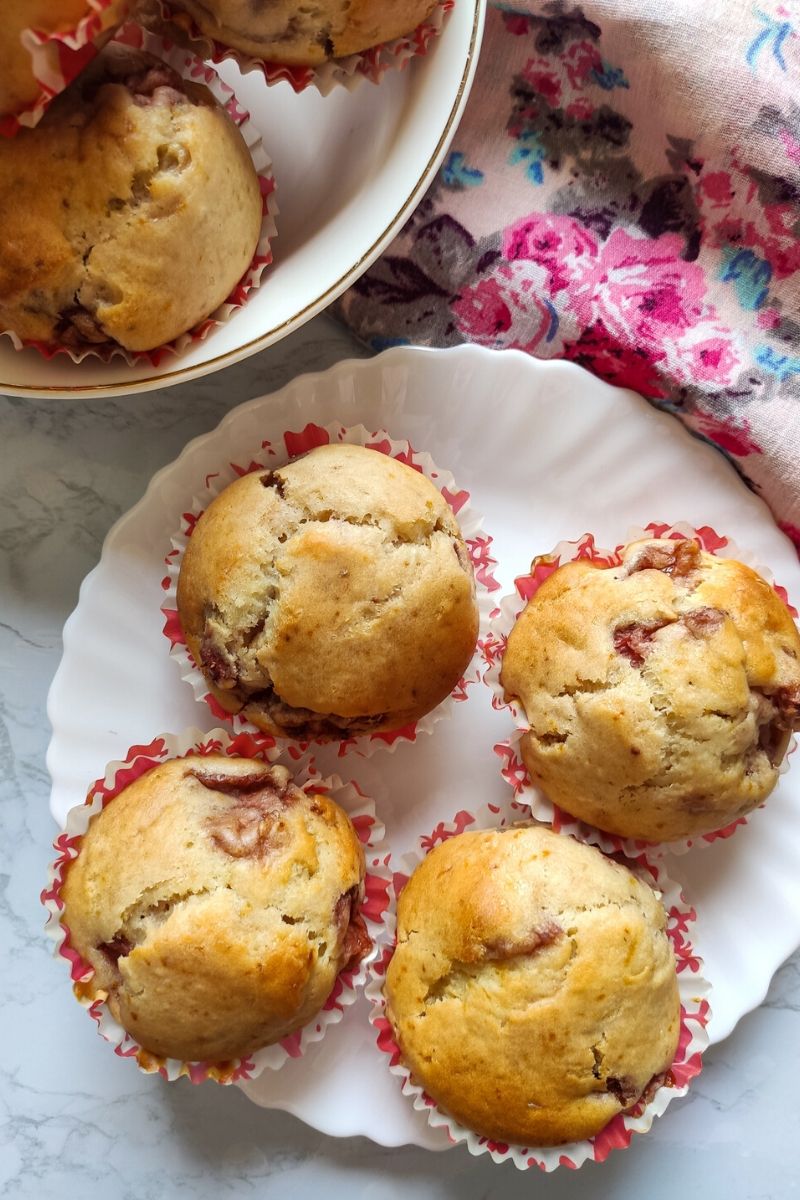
x,y
277,448
528,797
373,905
349,72
189,67
59,57
618,1134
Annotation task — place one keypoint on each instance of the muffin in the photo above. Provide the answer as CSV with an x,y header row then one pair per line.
x,y
532,991
660,693
19,89
216,902
298,35
128,214
331,597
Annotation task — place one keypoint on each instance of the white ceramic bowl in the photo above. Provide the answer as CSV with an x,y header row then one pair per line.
x,y
350,168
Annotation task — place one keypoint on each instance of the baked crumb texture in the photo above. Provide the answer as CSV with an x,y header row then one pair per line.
x,y
217,903
331,597
533,991
661,694
307,34
129,213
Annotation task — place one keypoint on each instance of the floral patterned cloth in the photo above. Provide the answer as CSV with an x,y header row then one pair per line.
x,y
624,192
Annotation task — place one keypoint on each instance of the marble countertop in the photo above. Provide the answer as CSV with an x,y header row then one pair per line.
x,y
76,1120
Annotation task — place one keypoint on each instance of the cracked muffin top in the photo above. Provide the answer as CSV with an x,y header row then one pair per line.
x,y
305,34
533,991
128,214
217,902
331,597
660,693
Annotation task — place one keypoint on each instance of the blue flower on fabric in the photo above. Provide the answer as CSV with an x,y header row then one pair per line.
x,y
774,34
552,329
750,275
529,150
456,173
386,343
783,366
609,77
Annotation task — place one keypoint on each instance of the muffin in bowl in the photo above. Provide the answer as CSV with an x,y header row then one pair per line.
x,y
19,88
532,991
660,693
305,35
216,903
128,214
330,597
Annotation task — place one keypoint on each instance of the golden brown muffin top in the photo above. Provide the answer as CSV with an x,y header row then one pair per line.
x,y
533,991
128,214
283,31
331,596
660,693
216,902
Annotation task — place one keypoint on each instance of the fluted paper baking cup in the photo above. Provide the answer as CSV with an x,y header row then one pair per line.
x,y
349,72
372,906
189,67
529,797
59,57
274,448
618,1133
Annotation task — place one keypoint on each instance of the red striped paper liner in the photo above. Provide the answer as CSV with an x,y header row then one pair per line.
x,y
693,989
349,72
528,796
373,904
59,57
189,67
272,448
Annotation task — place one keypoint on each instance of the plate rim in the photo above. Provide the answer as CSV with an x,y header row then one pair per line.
x,y
378,364
315,306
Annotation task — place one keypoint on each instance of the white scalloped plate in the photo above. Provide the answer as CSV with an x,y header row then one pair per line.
x,y
548,453
350,168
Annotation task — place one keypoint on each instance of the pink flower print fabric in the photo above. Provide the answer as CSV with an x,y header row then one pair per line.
x,y
624,192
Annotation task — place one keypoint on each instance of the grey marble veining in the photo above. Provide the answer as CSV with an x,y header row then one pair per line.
x,y
75,1120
